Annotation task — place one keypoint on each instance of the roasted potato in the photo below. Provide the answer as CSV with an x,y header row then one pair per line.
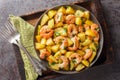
x,y
44,19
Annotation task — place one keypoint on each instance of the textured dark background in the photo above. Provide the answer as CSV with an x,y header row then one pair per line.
x,y
19,7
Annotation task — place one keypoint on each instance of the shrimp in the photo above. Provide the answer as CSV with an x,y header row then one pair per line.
x,y
76,44
72,29
64,63
70,19
88,54
64,42
44,53
93,28
59,39
46,32
76,57
59,17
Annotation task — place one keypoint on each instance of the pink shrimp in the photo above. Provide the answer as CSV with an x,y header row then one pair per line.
x,y
44,53
58,39
64,63
72,29
64,44
46,32
76,44
93,28
76,57
70,19
63,40
88,54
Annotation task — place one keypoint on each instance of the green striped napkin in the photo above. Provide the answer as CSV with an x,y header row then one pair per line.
x,y
26,32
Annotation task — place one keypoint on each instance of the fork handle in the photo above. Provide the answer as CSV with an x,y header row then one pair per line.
x,y
36,64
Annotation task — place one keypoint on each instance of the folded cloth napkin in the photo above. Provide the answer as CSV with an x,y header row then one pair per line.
x,y
26,36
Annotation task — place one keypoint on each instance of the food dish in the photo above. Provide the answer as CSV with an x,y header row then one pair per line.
x,y
67,38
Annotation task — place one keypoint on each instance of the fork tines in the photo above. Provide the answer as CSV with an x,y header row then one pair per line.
x,y
7,30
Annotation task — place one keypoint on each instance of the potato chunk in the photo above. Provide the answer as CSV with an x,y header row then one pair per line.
x,y
43,41
62,9
39,46
51,23
54,66
81,37
70,10
52,13
79,13
44,19
55,48
87,14
92,57
78,21
88,22
70,42
89,32
79,67
49,42
51,59
38,38
86,42
86,63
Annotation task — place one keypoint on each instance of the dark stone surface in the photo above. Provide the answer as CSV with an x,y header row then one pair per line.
x,y
19,7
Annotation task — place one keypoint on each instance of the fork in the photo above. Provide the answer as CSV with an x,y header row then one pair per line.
x,y
13,36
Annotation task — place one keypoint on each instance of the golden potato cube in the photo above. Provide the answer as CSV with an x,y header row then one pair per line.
x,y
57,54
38,38
43,41
44,19
72,65
61,31
92,57
54,66
62,51
62,9
86,63
55,48
78,21
51,59
68,54
39,27
39,46
70,10
81,37
51,23
87,14
88,22
93,47
89,32
51,13
79,13
48,48
70,42
79,67
86,42
49,42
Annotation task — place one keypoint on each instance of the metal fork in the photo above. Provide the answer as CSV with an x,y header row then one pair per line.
x,y
12,35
